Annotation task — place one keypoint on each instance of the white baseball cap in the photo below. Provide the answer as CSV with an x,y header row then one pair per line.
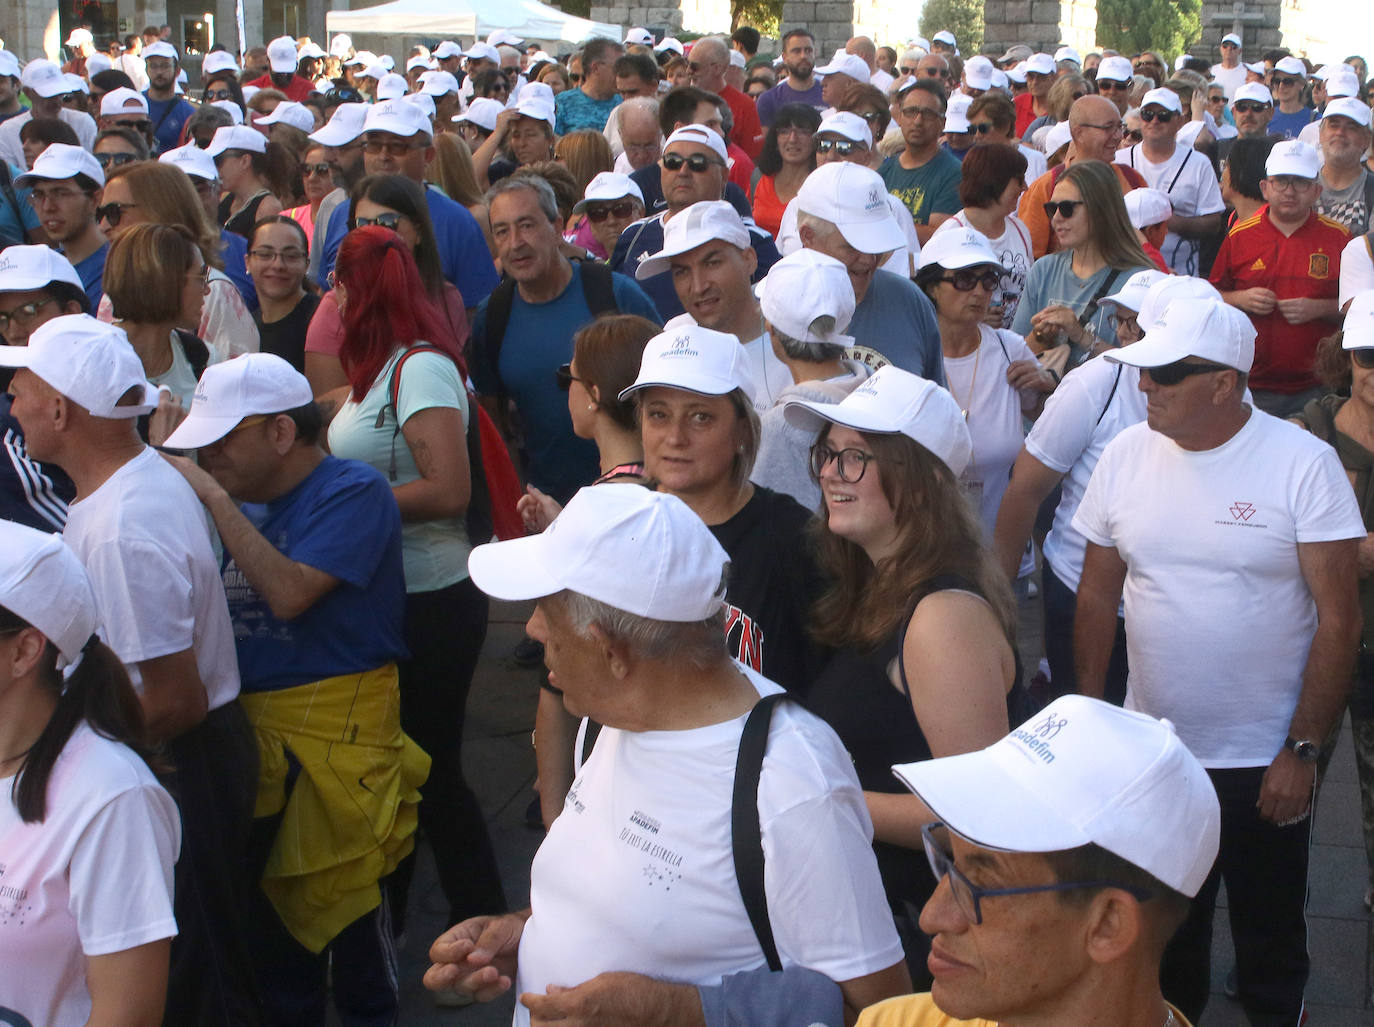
x,y
418,61
288,112
44,77
192,160
1342,84
639,37
98,62
945,36
255,383
956,114
534,90
1348,107
397,118
1039,63
9,64
236,137
854,200
1166,290
26,268
957,248
1056,135
219,60
978,73
1291,66
1231,37
679,567
538,108
343,126
1205,328
483,52
1257,68
1118,69
1256,92
79,37
364,57
311,50
695,359
503,37
76,84
229,107
481,112
423,101
1017,73
609,185
376,70
1150,207
1000,80
340,45
671,43
699,224
1131,296
803,286
1082,772
448,48
438,83
1358,328
895,402
846,64
43,582
391,86
1067,53
161,49
849,125
702,135
1296,158
1162,97
281,55
1326,71
737,59
88,361
60,161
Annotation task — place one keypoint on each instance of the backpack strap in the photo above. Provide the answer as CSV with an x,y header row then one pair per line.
x,y
393,395
196,349
598,288
1179,173
746,835
1110,396
499,305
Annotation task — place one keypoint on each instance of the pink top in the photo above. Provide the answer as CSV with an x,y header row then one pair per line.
x,y
326,332
304,217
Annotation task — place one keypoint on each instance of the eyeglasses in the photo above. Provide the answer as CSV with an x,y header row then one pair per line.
x,y
288,257
922,112
1283,80
23,315
1249,107
1363,356
388,220
1064,208
202,273
1124,322
1163,117
843,147
106,160
696,163
966,279
1172,374
969,897
322,168
982,128
211,95
1108,85
621,209
564,376
38,197
393,147
1133,135
1289,183
850,464
1115,128
142,126
112,213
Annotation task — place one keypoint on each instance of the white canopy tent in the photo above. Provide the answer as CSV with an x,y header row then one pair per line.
x,y
448,19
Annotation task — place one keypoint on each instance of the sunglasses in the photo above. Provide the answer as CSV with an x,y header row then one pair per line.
x,y
843,147
392,147
1172,374
621,209
1284,80
1163,117
1133,135
112,213
1064,208
966,280
335,96
564,377
1249,107
1364,356
388,220
322,168
106,160
982,128
1108,85
696,163
908,71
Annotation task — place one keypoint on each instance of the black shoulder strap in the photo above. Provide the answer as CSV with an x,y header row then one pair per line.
x,y
196,350
1110,396
598,288
1105,288
589,736
746,835
494,328
1177,174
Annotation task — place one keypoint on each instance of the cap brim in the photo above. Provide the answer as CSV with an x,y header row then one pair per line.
x,y
873,237
15,356
702,385
339,137
195,432
1147,353
812,416
513,570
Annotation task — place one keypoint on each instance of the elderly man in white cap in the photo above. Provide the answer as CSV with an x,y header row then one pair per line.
x,y
141,535
1066,855
646,820
44,85
64,189
167,108
1233,537
1347,185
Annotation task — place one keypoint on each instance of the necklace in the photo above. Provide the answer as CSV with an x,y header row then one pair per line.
x,y
972,382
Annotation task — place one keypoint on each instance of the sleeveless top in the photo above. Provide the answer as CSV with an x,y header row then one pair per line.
x,y
242,223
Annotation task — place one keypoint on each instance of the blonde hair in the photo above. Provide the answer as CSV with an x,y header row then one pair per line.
x,y
166,196
451,170
586,154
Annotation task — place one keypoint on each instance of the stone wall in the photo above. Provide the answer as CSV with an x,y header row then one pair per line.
x,y
667,17
830,21
1257,36
1042,24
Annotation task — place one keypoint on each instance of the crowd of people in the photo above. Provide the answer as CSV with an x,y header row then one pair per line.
x,y
694,336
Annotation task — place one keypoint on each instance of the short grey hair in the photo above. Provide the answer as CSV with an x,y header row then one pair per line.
x,y
810,352
699,644
548,203
817,224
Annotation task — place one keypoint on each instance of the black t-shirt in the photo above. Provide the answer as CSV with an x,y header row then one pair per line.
x,y
774,581
286,338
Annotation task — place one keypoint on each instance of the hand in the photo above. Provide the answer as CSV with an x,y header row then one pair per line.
x,y
616,1000
1061,318
1026,374
993,318
204,486
537,510
1300,310
504,121
166,417
1286,791
477,957
1367,555
1257,301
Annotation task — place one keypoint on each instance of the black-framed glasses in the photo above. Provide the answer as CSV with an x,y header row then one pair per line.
x,y
112,213
850,464
115,160
621,209
211,95
319,168
696,163
966,279
1250,106
391,219
1133,135
564,376
922,112
1064,208
1172,374
969,896
289,256
843,147
1163,117
22,314
1363,355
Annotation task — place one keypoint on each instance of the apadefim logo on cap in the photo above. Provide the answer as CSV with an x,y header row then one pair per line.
x,y
1036,739
875,200
681,347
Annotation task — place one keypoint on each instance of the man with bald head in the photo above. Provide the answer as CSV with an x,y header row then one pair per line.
x,y
862,46
1095,130
710,58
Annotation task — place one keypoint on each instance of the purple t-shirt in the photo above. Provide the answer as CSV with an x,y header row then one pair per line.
x,y
782,93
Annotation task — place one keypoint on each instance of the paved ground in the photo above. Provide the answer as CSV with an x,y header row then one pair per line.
x,y
501,766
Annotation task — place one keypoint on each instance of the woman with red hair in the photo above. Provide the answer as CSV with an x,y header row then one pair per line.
x,y
407,414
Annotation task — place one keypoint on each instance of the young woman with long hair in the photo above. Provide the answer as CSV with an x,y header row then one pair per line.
x,y
278,254
788,157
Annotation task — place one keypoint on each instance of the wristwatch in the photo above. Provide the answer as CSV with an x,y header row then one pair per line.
x,y
1303,748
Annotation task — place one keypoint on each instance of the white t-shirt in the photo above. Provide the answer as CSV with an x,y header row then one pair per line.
x,y
1036,161
1218,617
1230,79
769,374
1193,189
1357,270
145,542
93,878
12,150
1013,249
637,874
900,262
1081,416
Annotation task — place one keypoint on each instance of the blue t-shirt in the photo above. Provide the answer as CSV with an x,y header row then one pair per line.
x,y
167,117
537,342
463,252
896,321
91,271
646,237
15,222
1287,126
576,110
781,95
235,256
343,520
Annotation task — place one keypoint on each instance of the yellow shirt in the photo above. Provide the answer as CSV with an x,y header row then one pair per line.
x,y
921,1011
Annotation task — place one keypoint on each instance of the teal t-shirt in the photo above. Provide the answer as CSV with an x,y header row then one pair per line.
x,y
933,188
576,110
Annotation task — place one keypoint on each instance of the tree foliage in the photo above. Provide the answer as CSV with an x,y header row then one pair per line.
x,y
1167,26
764,15
962,17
